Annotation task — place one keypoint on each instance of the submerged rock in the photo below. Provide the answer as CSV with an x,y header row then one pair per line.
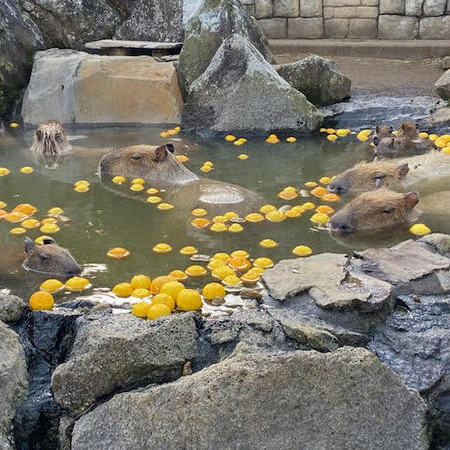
x,y
241,91
442,86
254,399
113,352
212,22
318,79
79,88
13,382
329,281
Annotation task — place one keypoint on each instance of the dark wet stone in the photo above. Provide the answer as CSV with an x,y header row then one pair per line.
x,y
12,308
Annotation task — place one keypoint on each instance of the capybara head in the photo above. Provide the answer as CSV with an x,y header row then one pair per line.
x,y
49,258
50,139
382,131
368,177
155,164
408,129
372,210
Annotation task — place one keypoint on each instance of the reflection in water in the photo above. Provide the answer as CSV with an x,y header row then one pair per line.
x,y
101,218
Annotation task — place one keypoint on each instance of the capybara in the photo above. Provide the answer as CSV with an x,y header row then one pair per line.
x,y
49,259
398,174
375,209
50,139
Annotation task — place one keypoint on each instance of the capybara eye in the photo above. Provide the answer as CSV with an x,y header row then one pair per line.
x,y
136,157
44,257
380,176
388,211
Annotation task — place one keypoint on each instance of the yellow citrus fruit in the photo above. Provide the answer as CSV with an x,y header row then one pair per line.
x,y
137,187
325,180
222,271
325,209
332,137
164,134
235,228
230,215
3,204
141,282
182,158
165,206
52,285
25,208
14,125
4,171
206,169
77,284
30,223
310,184
164,299
152,191
140,293
162,248
123,290
55,210
200,222
239,263
230,138
308,206
240,253
254,217
231,280
268,243
219,219
250,277
189,300
291,139
218,227
302,250
118,253
342,131
179,275
319,219
172,288
419,229
213,290
275,216
195,271
293,213
15,217
49,228
243,156
188,251
159,281
81,188
157,310
41,301
330,197
18,230
26,170
221,256
154,199
118,179
199,212
140,309
263,262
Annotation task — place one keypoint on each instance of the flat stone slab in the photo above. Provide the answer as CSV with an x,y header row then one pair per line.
x,y
406,264
111,44
329,281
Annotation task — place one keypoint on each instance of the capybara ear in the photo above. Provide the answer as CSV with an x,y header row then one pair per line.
x,y
403,125
170,147
48,241
29,244
39,135
377,129
411,199
402,170
161,153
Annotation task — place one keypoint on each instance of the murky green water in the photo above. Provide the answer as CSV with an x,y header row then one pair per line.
x,y
102,219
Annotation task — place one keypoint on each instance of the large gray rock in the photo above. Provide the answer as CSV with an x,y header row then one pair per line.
x,y
434,7
158,20
397,27
13,382
435,27
442,86
12,308
28,26
329,281
409,267
308,400
115,351
80,88
240,91
318,79
205,31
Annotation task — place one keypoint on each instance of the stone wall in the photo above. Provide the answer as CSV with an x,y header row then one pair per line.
x,y
352,19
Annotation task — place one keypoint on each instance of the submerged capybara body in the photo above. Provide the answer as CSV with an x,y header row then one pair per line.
x,y
373,210
159,166
50,139
405,141
398,174
49,259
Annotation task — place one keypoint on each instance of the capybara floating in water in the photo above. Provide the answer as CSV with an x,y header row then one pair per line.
x,y
373,210
159,166
49,259
381,132
397,174
50,138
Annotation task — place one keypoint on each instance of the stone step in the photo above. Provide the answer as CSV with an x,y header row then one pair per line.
x,y
375,48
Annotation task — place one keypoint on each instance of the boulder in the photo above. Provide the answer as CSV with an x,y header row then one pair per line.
x,y
254,399
79,88
442,86
240,91
214,21
112,352
12,308
158,20
329,281
13,382
318,79
409,266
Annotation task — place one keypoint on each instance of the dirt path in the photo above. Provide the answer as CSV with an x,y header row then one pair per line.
x,y
390,76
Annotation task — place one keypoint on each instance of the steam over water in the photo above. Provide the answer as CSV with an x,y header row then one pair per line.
x,y
113,216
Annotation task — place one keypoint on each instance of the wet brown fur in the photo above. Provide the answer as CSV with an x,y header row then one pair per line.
x,y
376,209
50,139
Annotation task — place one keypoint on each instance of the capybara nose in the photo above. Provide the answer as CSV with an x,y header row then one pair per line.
x,y
341,225
376,140
336,188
